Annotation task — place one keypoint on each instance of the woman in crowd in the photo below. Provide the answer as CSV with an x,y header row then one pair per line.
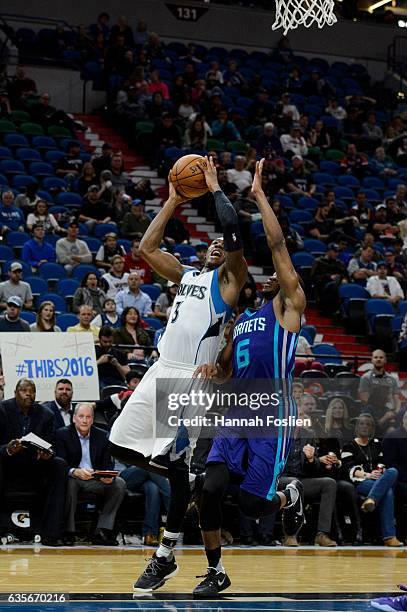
x,y
90,294
337,421
131,331
195,136
87,178
45,319
41,215
362,463
165,300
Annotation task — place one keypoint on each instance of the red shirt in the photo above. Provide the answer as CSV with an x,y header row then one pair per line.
x,y
140,266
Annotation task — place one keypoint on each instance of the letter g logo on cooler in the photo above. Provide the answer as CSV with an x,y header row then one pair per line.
x,y
21,518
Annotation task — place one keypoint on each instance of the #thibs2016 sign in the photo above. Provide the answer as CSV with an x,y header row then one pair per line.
x,y
47,357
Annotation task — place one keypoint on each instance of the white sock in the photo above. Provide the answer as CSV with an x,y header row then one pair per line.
x,y
220,568
167,544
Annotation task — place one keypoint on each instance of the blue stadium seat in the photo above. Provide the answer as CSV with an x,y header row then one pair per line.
x,y
352,290
152,290
307,203
372,194
373,182
396,323
344,192
104,228
94,244
53,157
3,180
5,153
126,244
44,143
41,193
28,155
69,199
153,323
22,180
11,166
67,287
28,316
402,307
66,320
52,182
327,349
375,307
309,332
38,285
6,253
348,180
57,300
41,169
52,271
185,250
300,216
17,239
324,178
314,246
51,239
79,271
302,259
15,141
329,167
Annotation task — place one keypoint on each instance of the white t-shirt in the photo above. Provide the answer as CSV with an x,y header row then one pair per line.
x,y
241,178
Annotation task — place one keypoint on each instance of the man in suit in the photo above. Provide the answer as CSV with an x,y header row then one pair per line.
x,y
85,449
28,466
62,405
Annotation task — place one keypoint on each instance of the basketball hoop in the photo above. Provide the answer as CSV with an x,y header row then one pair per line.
x,y
293,13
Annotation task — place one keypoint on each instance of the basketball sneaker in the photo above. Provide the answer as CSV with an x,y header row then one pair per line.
x,y
214,582
157,572
293,513
391,604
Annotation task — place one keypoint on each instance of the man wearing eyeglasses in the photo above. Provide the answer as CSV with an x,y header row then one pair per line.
x,y
16,286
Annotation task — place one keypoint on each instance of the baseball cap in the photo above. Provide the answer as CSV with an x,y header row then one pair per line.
x,y
171,284
93,188
106,145
390,250
332,246
136,202
381,206
193,259
297,157
16,300
110,235
15,266
296,126
269,124
203,245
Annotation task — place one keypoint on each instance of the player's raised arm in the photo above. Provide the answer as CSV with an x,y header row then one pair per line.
x,y
164,264
234,270
286,274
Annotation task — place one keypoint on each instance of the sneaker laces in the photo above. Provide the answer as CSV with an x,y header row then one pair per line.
x,y
209,574
400,598
152,566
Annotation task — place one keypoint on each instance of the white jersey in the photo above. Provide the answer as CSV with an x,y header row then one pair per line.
x,y
198,317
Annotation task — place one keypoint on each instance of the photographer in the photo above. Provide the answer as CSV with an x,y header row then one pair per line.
x,y
111,362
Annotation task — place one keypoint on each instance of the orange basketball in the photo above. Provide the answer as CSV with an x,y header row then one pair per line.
x,y
187,177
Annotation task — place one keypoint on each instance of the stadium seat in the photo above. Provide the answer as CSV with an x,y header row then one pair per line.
x,y
44,143
94,244
300,216
5,153
402,307
57,300
152,290
58,131
38,285
15,140
6,253
314,246
11,167
52,272
153,323
7,127
41,170
67,287
302,259
327,349
22,180
24,265
28,316
28,155
307,203
53,182
309,332
53,157
69,199
32,129
104,228
17,239
185,250
375,307
79,271
66,320
348,180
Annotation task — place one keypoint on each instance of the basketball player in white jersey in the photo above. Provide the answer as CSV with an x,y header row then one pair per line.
x,y
201,309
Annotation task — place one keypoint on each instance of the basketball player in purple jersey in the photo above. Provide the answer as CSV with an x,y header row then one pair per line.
x,y
262,346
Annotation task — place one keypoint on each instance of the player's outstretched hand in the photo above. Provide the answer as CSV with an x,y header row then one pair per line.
x,y
174,198
205,371
211,176
257,182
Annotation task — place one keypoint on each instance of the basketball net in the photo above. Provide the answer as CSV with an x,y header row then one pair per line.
x,y
293,13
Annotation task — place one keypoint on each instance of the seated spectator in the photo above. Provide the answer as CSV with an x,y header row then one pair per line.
x,y
379,226
21,86
381,164
114,57
135,222
111,363
16,286
85,448
289,109
36,251
238,175
87,178
131,332
175,232
165,134
108,250
109,316
85,316
116,279
120,179
90,294
319,137
352,128
62,406
294,143
395,453
224,129
337,424
142,190
141,34
371,132
378,390
231,76
156,490
46,318
385,287
122,28
361,268
201,250
361,461
335,110
354,163
11,217
120,205
165,300
103,161
322,226
303,463
40,215
133,296
134,263
70,166
31,467
401,153
70,251
362,211
394,267
327,274
304,359
299,181
156,85
154,107
293,239
195,136
47,115
94,210
11,320
26,201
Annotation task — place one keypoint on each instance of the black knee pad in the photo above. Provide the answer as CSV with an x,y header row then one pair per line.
x,y
255,507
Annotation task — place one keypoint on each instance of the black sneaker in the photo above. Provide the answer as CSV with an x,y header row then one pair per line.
x,y
156,573
293,516
214,582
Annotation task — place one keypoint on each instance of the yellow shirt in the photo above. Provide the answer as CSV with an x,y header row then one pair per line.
x,y
91,330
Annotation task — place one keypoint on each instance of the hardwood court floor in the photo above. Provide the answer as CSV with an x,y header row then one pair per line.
x,y
272,571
